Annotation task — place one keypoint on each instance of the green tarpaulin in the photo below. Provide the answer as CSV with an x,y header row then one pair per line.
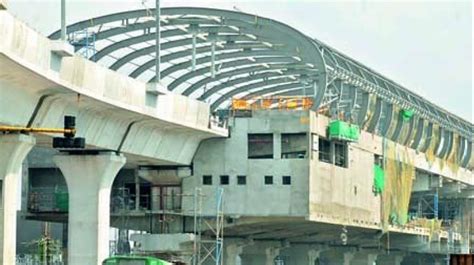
x,y
340,130
379,179
407,114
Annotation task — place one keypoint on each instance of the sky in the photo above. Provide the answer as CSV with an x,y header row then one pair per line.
x,y
425,46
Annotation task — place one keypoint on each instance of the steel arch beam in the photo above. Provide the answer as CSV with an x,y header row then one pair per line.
x,y
272,61
238,72
172,56
250,87
243,80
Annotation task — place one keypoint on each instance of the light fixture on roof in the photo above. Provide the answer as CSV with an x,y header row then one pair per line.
x,y
251,36
296,58
234,28
252,59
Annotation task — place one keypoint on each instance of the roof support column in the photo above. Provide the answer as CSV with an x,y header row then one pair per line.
x,y
270,254
232,255
13,150
89,178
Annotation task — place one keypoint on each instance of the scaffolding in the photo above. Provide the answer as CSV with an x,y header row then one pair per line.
x,y
84,43
208,249
208,226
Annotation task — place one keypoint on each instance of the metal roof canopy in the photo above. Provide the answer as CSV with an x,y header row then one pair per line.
x,y
214,55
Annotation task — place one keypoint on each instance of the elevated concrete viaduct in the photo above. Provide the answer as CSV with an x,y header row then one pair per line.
x,y
294,192
40,83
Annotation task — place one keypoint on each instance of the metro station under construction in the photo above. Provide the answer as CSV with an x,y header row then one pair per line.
x,y
186,135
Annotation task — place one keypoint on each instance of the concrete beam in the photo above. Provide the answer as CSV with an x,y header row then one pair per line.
x,y
89,179
13,150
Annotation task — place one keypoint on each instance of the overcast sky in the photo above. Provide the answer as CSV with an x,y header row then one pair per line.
x,y
425,46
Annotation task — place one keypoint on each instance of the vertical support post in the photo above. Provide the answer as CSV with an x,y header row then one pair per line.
x,y
213,59
436,204
89,179
63,20
137,191
193,59
13,150
158,43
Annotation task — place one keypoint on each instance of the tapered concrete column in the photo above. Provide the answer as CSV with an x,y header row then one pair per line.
x,y
232,254
13,150
89,179
270,254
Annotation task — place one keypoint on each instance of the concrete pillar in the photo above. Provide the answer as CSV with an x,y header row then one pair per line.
x,y
313,254
89,179
336,256
13,150
270,254
232,254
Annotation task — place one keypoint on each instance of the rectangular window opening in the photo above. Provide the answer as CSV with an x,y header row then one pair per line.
x,y
224,179
207,180
241,180
286,180
268,180
260,146
378,160
340,154
293,145
324,150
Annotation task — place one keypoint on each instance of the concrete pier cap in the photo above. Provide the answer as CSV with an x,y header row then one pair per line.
x,y
89,178
165,175
13,150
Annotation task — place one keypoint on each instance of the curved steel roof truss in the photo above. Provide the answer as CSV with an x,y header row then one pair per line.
x,y
215,55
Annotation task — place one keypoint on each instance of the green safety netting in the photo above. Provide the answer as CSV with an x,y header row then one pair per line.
x,y
407,114
340,130
379,179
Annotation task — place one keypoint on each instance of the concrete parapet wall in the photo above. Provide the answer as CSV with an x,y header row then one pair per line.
x,y
86,75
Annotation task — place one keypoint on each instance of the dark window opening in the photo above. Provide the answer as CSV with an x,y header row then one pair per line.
x,y
340,154
324,150
260,146
293,145
241,180
207,180
224,180
286,180
378,160
268,180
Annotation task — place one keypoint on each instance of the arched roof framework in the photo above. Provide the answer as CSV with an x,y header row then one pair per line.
x,y
243,55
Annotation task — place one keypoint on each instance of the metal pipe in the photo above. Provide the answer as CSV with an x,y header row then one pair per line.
x,y
36,130
137,191
157,45
63,20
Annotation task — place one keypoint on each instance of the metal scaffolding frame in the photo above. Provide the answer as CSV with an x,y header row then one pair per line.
x,y
209,249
